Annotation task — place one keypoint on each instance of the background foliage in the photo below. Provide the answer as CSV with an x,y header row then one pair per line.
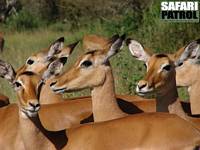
x,y
39,22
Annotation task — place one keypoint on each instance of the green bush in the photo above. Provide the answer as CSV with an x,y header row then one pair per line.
x,y
23,21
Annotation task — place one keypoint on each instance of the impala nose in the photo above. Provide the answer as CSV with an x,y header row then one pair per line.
x,y
35,106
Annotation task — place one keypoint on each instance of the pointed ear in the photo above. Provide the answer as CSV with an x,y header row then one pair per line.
x,y
55,48
55,68
73,45
65,52
114,38
115,47
137,50
191,51
7,71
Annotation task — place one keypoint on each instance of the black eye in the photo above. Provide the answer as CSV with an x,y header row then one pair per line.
x,y
17,84
180,64
30,62
167,67
86,63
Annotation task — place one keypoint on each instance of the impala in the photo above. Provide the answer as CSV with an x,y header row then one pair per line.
x,y
39,61
58,120
9,117
142,131
184,73
10,134
160,78
187,74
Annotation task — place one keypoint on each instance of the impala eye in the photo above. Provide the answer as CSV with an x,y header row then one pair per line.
x,y
86,64
17,84
180,64
30,61
167,67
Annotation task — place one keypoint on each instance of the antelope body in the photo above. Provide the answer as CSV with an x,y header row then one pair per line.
x,y
79,77
125,133
186,74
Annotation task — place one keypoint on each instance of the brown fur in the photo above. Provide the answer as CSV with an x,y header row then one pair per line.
x,y
164,84
139,131
84,79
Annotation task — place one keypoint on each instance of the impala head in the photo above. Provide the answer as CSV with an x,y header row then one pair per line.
x,y
39,62
24,87
187,70
28,85
187,59
89,70
160,72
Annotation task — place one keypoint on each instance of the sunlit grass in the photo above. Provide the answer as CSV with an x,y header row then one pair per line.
x,y
20,45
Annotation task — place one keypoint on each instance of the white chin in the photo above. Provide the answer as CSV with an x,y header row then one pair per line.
x,y
141,94
32,114
28,114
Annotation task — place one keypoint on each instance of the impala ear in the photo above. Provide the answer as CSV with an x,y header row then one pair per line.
x,y
73,45
55,68
137,50
114,38
65,52
191,51
55,48
115,47
7,71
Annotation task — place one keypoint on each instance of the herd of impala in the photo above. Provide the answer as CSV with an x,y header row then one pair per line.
x,y
43,120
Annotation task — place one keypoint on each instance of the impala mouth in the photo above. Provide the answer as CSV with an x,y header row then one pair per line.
x,y
143,92
30,112
64,90
59,90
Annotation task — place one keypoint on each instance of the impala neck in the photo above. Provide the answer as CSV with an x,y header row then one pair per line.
x,y
47,96
167,100
104,104
194,98
35,136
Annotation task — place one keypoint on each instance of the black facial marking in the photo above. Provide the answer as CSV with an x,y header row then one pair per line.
x,y
91,52
29,73
161,55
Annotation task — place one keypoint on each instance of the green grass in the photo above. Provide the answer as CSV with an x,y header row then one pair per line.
x,y
20,45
